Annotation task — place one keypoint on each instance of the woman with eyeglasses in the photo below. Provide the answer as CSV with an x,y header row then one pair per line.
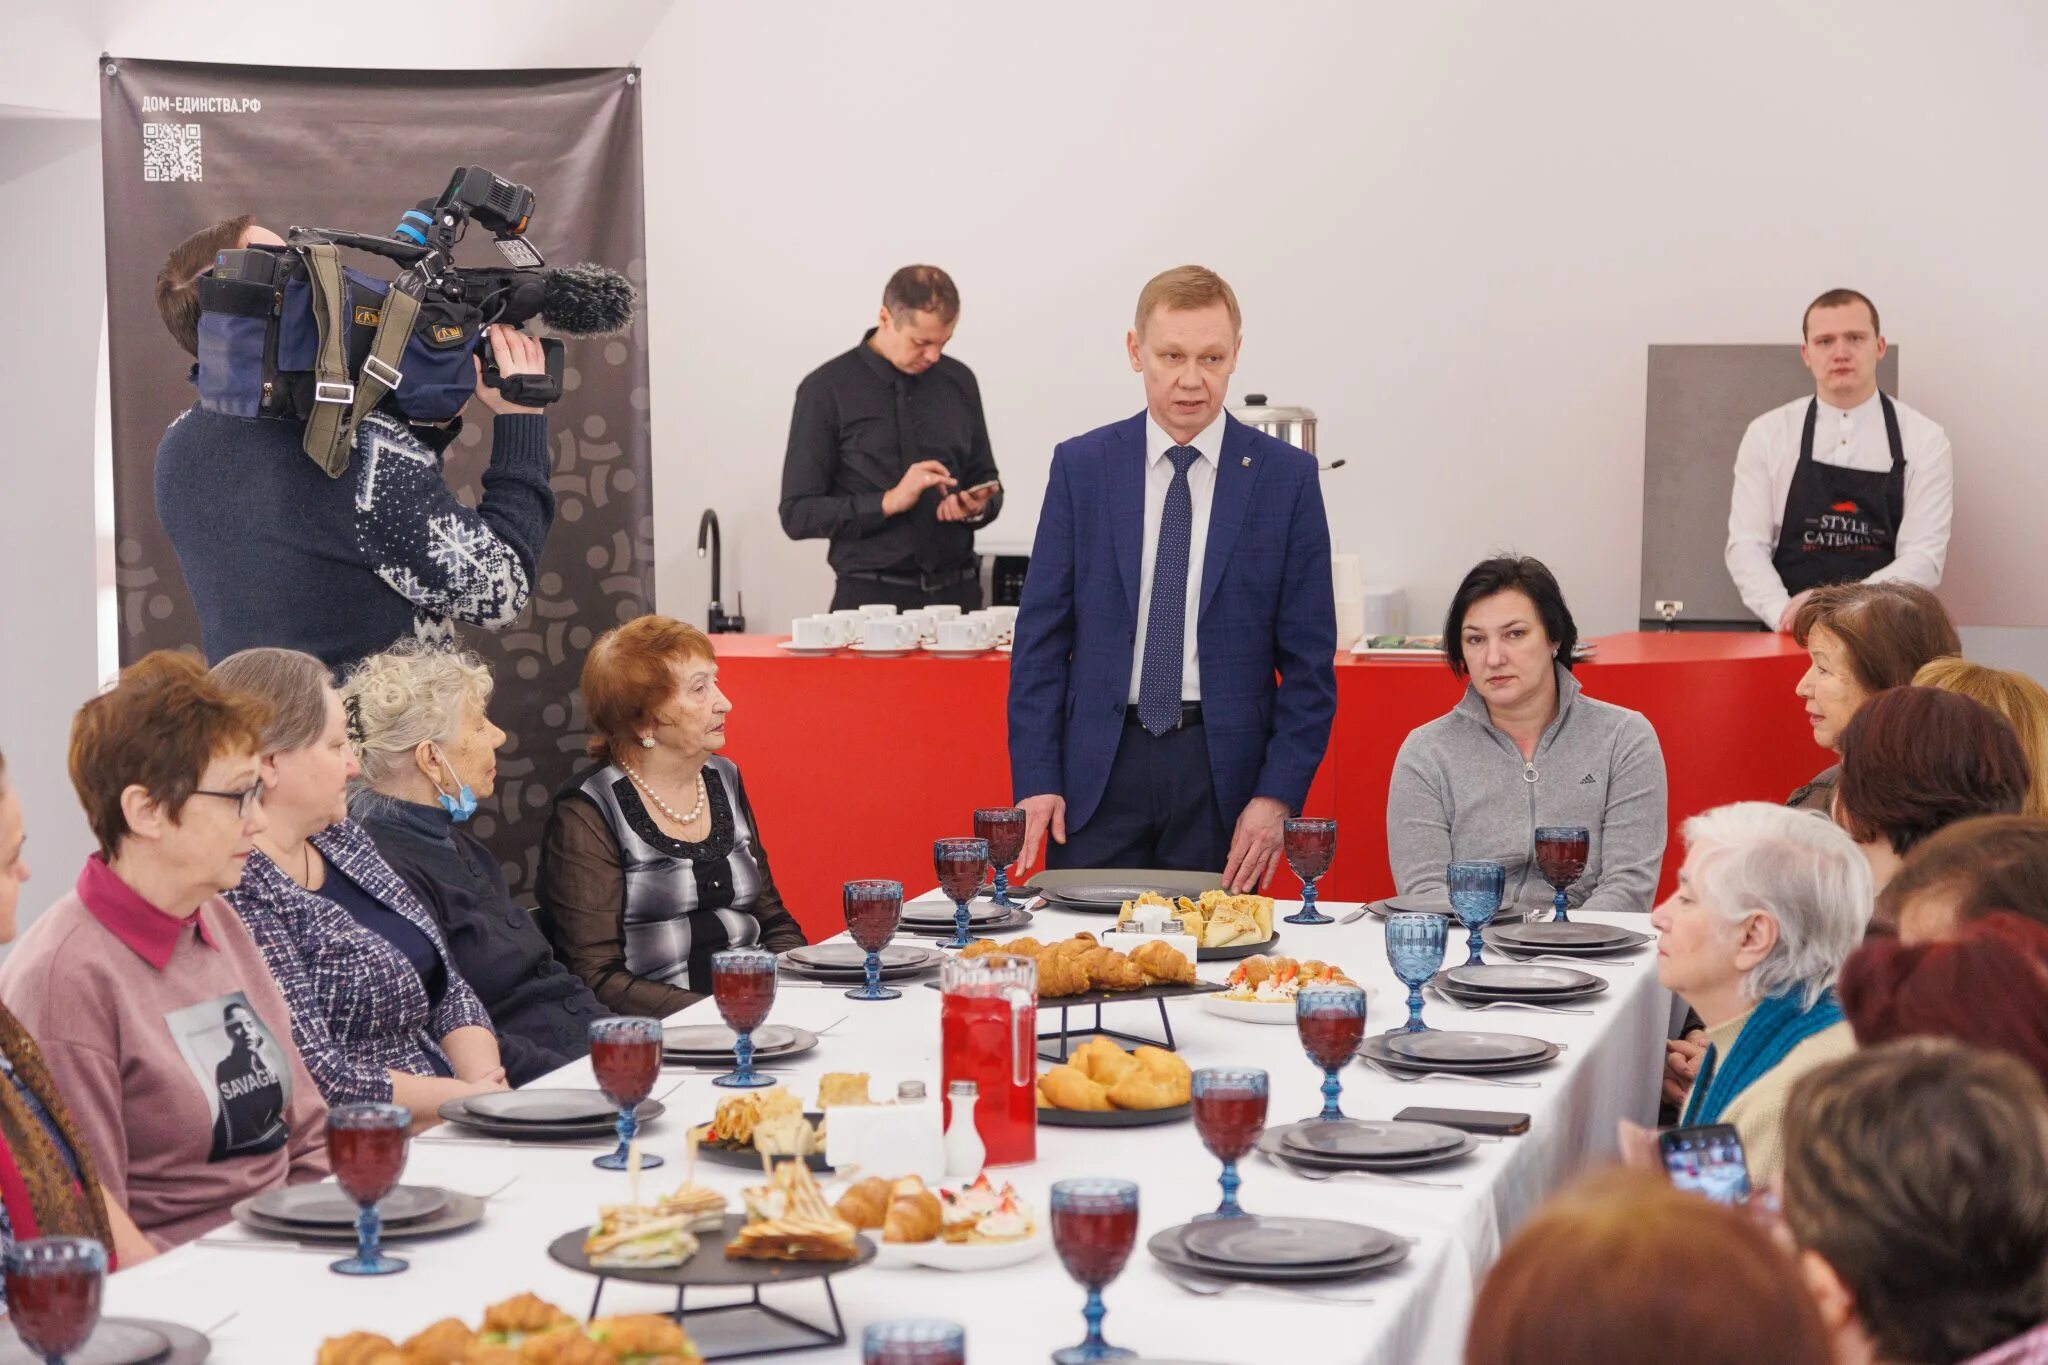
x,y
153,1013
379,1008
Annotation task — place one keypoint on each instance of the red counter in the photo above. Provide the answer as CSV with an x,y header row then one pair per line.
x,y
855,765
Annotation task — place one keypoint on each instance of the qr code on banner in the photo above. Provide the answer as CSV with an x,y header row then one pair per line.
x,y
170,151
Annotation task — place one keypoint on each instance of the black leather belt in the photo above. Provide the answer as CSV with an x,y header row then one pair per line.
x,y
1190,714
923,582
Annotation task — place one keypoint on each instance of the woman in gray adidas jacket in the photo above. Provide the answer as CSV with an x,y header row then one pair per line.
x,y
1525,747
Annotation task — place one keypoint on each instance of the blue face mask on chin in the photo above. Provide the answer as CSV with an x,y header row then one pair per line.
x,y
460,806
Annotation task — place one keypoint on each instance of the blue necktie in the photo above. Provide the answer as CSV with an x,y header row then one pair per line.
x,y
1166,621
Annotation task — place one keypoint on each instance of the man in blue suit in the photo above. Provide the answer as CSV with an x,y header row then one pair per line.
x,y
1182,560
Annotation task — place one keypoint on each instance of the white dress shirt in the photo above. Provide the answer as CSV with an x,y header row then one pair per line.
x,y
1854,439
1201,492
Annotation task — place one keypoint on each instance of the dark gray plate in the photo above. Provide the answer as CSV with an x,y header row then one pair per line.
x,y
1520,979
1438,905
458,1111
1112,1118
1274,1144
544,1106
716,1040
1462,996
327,1206
1551,934
747,1159
709,1267
851,957
1082,887
117,1341
1369,1138
1375,1049
1166,1246
856,977
463,1211
1235,1242
1460,1048
1236,950
936,912
1018,919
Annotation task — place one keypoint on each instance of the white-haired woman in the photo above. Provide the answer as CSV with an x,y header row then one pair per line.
x,y
424,739
1769,903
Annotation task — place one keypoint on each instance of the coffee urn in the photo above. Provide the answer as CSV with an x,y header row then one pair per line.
x,y
1296,426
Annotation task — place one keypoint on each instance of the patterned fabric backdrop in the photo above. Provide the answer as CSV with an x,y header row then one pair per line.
x,y
185,145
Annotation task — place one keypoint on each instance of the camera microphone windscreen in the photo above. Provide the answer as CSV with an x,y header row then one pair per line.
x,y
587,300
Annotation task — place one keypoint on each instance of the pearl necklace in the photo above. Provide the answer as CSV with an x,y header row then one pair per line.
x,y
682,821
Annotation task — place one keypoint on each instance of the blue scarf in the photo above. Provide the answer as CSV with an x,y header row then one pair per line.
x,y
1777,1025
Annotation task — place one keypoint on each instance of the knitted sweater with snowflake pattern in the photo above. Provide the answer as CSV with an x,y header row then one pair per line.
x,y
277,553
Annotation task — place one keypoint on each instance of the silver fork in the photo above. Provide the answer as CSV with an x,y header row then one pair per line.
x,y
821,1032
1579,962
1407,1077
1212,1288
1316,1173
1508,1005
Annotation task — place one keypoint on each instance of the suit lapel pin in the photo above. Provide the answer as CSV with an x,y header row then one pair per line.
x,y
1246,462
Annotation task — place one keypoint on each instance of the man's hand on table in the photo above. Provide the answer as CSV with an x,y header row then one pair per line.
x,y
1255,846
1041,813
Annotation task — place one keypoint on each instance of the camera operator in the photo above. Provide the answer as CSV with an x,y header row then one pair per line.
x,y
277,553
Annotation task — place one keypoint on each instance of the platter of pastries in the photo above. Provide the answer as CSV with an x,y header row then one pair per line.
x,y
774,1123
1102,1086
522,1330
974,1227
1223,926
1261,989
1082,971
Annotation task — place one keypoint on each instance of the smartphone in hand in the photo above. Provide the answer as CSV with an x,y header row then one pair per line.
x,y
1706,1159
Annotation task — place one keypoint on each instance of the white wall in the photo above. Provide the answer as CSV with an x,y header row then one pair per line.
x,y
1454,228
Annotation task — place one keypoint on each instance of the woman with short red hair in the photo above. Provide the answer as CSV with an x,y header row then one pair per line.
x,y
1916,760
653,860
1987,986
1623,1268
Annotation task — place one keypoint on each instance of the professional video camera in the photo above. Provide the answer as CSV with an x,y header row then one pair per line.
x,y
290,333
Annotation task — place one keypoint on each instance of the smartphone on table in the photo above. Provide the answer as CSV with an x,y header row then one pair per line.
x,y
1706,1159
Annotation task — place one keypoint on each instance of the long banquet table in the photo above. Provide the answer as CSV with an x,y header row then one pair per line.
x,y
286,1302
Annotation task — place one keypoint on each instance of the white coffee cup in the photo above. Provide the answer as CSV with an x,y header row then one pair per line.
x,y
1007,615
871,610
924,623
961,635
944,611
888,632
813,632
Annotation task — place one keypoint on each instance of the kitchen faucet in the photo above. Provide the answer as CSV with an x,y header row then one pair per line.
x,y
719,622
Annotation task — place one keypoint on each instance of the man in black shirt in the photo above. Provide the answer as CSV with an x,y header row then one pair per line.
x,y
889,456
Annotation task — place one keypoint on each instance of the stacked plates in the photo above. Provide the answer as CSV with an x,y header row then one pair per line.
x,y
543,1115
846,963
1277,1249
934,919
1439,905
1527,983
1104,891
323,1213
1576,939
1456,1050
119,1341
712,1044
1365,1145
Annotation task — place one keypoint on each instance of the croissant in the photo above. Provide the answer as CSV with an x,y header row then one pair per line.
x,y
1059,975
359,1348
1110,970
443,1343
913,1218
1068,1087
565,1346
866,1204
982,947
523,1313
1102,1061
1159,1080
1162,961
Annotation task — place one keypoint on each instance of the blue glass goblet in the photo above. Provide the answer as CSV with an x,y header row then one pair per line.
x,y
1415,948
1230,1114
366,1146
959,863
1330,1018
1003,827
873,909
743,986
914,1341
53,1293
1475,894
1310,846
625,1056
1094,1226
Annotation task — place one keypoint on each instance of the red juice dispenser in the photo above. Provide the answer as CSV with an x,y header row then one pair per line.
x,y
988,1026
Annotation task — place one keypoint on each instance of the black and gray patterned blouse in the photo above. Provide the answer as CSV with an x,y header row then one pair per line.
x,y
637,913
359,1008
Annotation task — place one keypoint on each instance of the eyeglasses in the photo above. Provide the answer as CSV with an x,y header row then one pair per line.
x,y
246,800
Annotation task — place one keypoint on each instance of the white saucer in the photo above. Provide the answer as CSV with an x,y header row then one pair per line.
x,y
885,651
805,651
971,652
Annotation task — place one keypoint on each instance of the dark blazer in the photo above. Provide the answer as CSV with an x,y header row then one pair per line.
x,y
1266,606
541,1009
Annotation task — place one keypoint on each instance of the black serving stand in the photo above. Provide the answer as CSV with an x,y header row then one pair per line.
x,y
709,1269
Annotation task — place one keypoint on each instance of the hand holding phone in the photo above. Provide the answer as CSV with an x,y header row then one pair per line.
x,y
1706,1159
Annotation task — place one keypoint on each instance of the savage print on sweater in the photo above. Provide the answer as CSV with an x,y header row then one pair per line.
x,y
450,567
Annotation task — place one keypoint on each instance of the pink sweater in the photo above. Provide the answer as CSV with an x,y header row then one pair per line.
x,y
173,1050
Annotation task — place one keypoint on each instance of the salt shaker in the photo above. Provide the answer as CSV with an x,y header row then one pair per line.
x,y
965,1151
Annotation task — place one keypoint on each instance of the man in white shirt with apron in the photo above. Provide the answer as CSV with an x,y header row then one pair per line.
x,y
1848,485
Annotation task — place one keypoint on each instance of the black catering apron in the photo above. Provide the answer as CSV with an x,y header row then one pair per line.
x,y
1840,524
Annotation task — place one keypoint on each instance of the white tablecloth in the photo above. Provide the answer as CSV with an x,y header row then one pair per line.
x,y
287,1302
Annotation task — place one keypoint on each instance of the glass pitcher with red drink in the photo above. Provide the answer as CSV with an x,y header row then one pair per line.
x,y
988,1025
